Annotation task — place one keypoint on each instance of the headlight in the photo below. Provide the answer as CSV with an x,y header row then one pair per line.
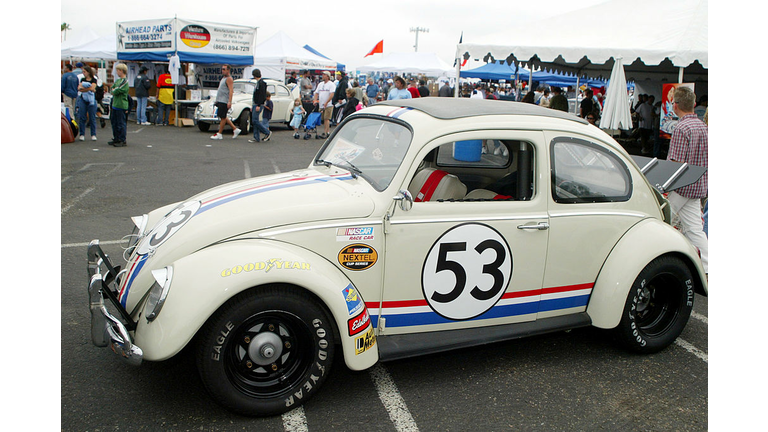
x,y
158,292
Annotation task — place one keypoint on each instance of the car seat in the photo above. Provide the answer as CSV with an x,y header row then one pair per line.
x,y
485,194
431,184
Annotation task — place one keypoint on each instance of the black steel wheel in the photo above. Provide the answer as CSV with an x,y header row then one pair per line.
x,y
658,306
266,351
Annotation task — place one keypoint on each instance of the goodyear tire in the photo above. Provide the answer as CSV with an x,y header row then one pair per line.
x,y
266,351
658,306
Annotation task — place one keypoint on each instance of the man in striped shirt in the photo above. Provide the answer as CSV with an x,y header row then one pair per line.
x,y
689,144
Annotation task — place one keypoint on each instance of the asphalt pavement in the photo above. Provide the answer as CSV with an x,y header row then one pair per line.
x,y
567,381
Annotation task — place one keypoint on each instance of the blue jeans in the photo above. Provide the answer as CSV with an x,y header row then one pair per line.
x,y
141,109
258,125
163,113
118,118
86,110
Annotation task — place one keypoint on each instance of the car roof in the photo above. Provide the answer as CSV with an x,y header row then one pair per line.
x,y
454,108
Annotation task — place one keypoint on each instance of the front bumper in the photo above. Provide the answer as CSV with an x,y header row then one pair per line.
x,y
106,329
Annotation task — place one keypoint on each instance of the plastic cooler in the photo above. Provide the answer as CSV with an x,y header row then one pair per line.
x,y
468,151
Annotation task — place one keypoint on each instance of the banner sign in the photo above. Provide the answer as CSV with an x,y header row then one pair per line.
x,y
153,39
668,119
209,76
193,41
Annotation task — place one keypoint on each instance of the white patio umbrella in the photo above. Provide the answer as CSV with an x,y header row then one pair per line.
x,y
616,109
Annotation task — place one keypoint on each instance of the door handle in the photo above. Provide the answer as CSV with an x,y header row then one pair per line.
x,y
541,226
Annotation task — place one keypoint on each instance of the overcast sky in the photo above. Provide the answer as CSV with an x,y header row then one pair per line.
x,y
344,31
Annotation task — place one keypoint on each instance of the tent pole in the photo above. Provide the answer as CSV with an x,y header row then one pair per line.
x,y
680,76
576,97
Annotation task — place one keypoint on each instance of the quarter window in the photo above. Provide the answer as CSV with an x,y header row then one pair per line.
x,y
583,172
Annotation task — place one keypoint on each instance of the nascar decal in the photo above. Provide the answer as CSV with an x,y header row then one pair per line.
x,y
354,301
364,342
266,266
282,184
195,36
358,257
359,323
406,313
354,234
466,271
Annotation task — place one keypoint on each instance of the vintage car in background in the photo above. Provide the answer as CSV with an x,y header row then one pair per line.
x,y
242,101
421,225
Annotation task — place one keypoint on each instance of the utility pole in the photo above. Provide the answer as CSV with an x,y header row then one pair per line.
x,y
417,30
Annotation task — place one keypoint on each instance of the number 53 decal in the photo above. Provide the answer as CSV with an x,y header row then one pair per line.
x,y
168,226
466,271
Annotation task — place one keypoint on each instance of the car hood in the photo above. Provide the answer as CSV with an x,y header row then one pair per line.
x,y
239,208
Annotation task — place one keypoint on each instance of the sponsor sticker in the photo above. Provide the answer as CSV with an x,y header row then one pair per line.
x,y
358,257
365,341
265,266
359,323
354,234
352,297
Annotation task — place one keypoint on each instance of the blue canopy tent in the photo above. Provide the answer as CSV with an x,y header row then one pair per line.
x,y
498,70
339,66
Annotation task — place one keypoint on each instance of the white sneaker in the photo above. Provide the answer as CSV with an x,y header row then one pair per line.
x,y
217,136
82,138
237,132
93,138
266,138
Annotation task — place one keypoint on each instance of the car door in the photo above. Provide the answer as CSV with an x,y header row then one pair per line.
x,y
466,263
590,207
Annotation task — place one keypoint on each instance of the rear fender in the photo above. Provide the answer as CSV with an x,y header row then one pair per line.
x,y
643,243
202,282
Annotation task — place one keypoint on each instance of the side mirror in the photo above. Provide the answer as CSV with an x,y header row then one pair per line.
x,y
405,198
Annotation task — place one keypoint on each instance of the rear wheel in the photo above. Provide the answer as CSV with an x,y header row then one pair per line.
x,y
658,306
266,351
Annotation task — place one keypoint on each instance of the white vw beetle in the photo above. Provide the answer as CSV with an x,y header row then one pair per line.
x,y
242,101
421,226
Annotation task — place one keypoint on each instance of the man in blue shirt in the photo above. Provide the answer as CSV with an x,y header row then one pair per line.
x,y
372,91
69,83
399,92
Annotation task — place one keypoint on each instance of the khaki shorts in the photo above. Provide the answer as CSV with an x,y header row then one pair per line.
x,y
327,112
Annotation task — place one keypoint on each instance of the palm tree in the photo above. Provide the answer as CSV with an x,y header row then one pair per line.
x,y
64,28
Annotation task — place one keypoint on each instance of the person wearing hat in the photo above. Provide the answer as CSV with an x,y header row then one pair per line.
x,y
142,84
323,99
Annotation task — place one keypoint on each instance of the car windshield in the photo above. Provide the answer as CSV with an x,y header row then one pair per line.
x,y
371,148
243,88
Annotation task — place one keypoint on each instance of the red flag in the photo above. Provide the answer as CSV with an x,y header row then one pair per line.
x,y
378,49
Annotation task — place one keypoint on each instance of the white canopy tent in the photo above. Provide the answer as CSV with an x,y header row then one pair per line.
x,y
278,53
82,37
657,39
410,62
103,48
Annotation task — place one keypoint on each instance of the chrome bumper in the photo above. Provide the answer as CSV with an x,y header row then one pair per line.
x,y
106,329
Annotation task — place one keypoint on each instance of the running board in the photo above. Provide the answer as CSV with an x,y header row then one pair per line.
x,y
397,347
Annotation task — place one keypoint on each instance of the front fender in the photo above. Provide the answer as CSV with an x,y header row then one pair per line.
x,y
203,281
643,243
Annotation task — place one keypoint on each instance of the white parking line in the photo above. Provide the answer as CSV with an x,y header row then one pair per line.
x,y
275,167
295,420
393,402
700,317
692,349
71,245
247,169
75,201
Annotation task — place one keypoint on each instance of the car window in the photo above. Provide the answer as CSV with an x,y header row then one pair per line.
x,y
242,88
282,91
372,148
476,170
271,89
584,172
480,153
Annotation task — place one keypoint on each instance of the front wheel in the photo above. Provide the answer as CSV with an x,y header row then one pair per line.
x,y
266,351
658,306
204,127
244,121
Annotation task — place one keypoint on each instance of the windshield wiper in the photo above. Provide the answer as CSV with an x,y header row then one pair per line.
x,y
355,171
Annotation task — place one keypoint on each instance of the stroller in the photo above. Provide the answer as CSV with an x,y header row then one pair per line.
x,y
314,119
